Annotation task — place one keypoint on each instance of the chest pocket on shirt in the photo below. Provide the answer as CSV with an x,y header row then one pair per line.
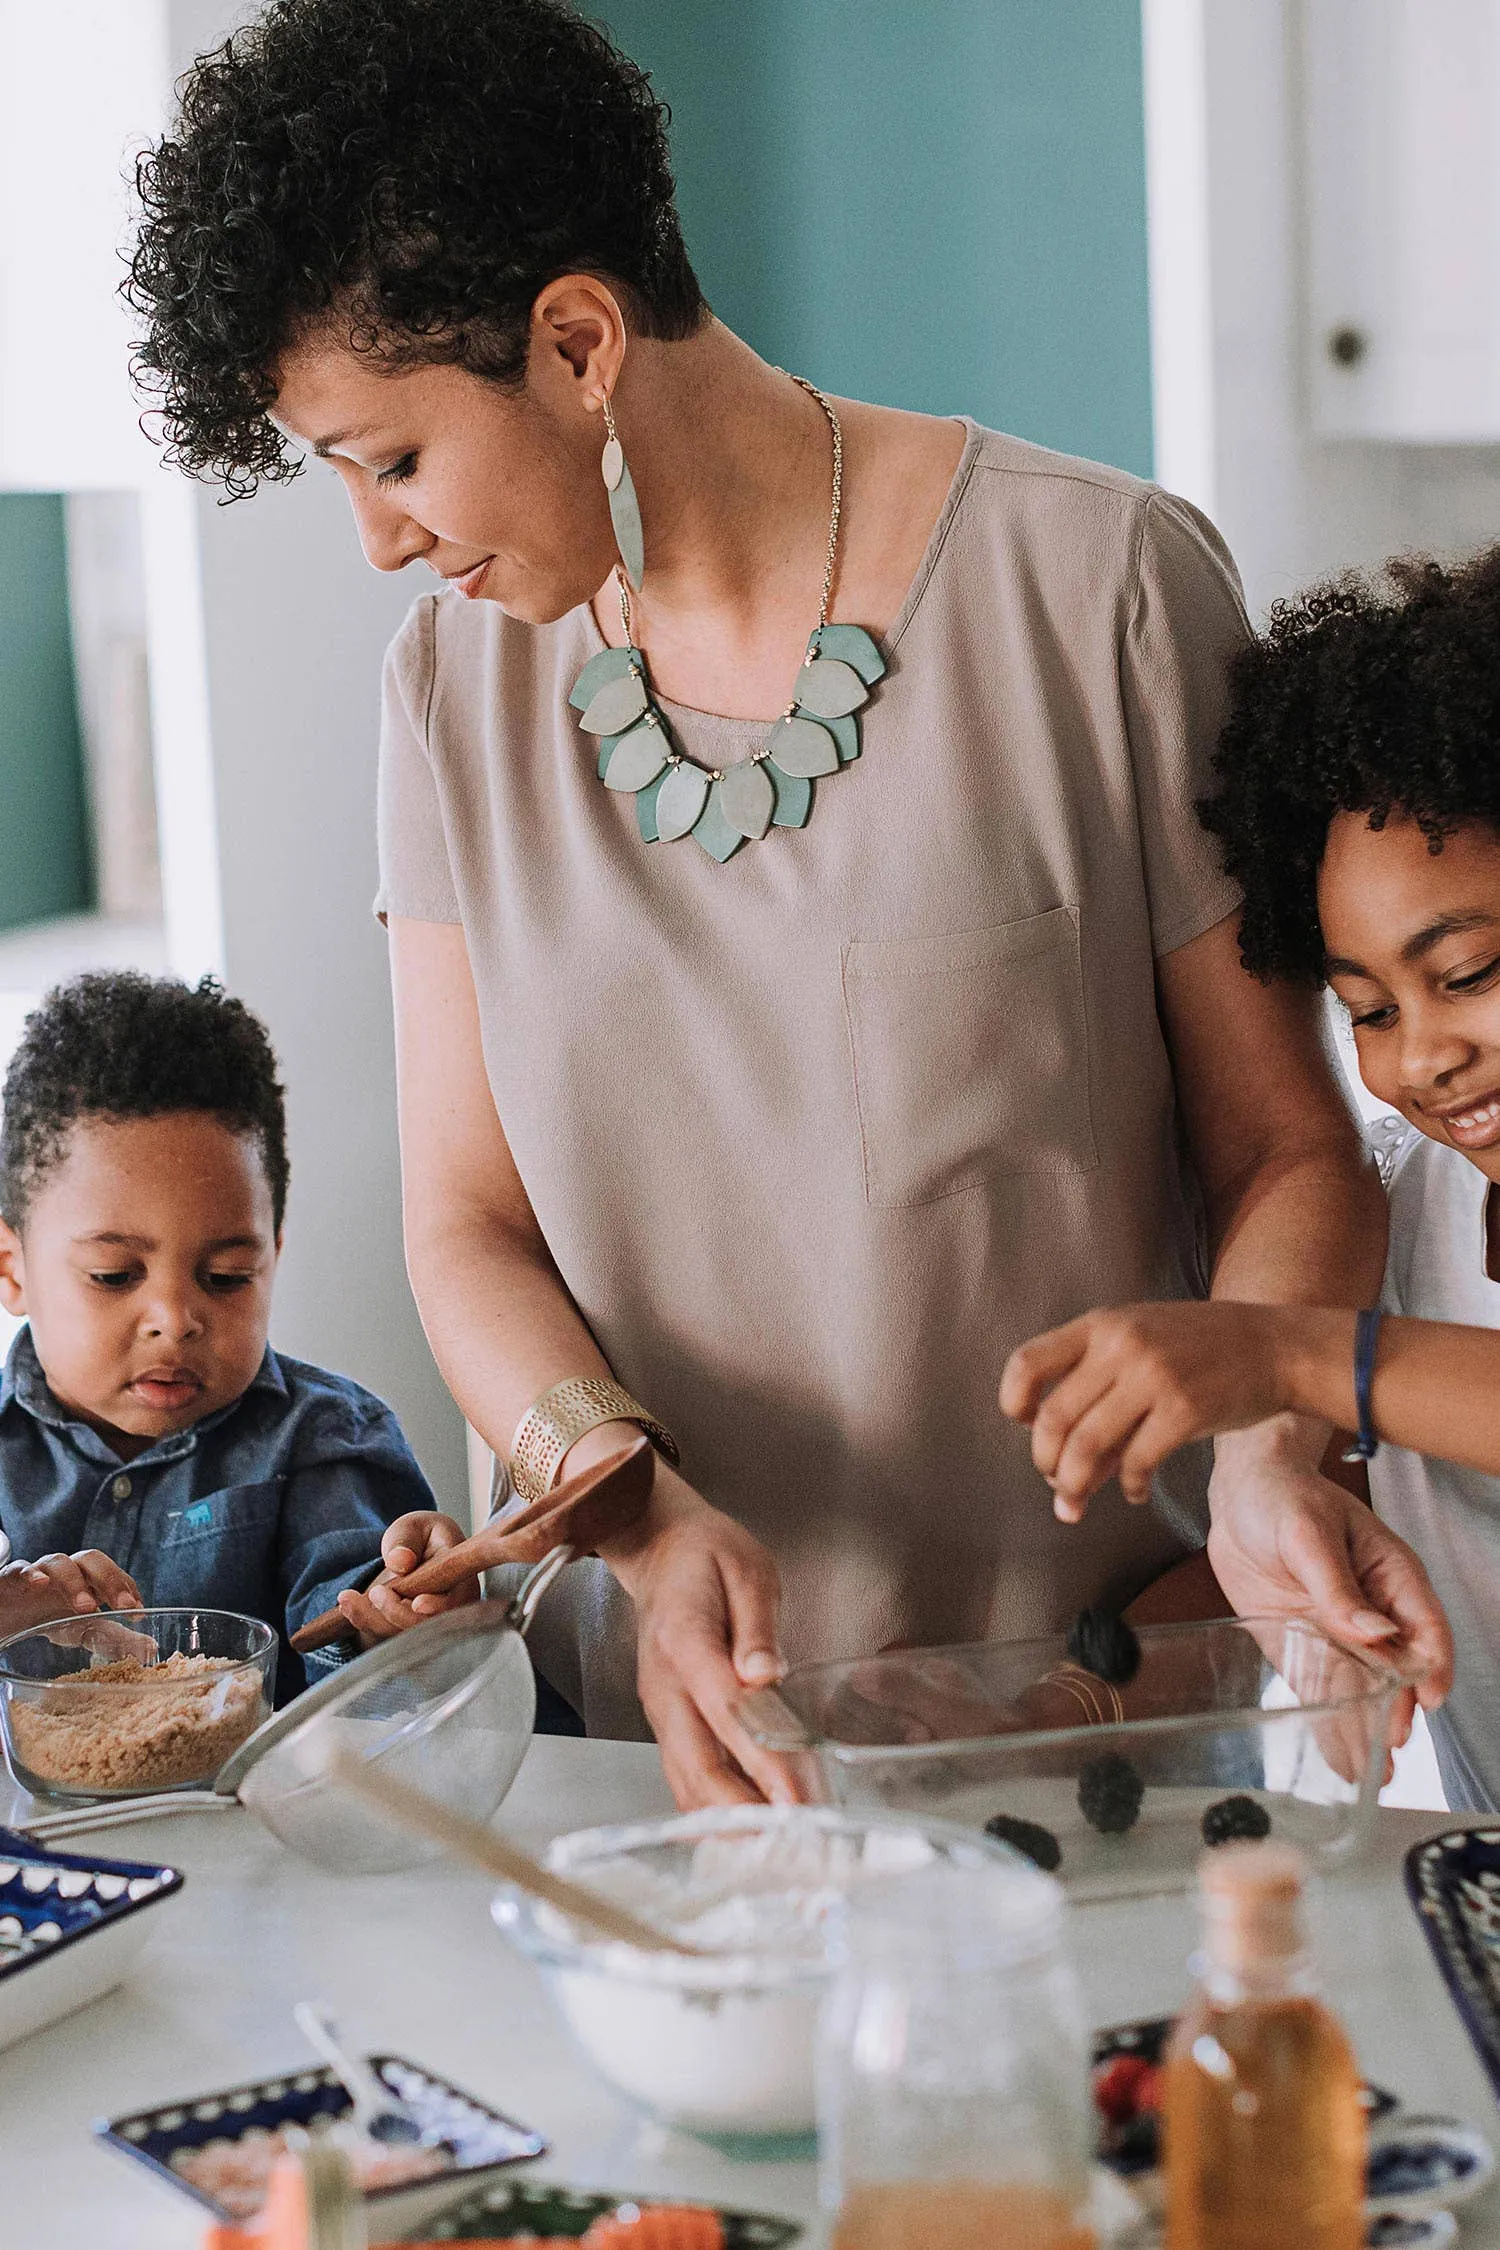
x,y
240,1512
970,1056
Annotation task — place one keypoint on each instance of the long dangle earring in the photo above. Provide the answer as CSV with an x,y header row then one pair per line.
x,y
624,508
818,733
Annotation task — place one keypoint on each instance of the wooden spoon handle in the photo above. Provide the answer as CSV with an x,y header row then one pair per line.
x,y
591,1506
414,1809
605,1499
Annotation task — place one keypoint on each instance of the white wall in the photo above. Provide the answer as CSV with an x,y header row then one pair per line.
x,y
296,625
265,631
1234,424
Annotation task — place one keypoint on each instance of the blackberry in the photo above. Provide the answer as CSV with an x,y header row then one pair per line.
x,y
1236,1820
1109,1794
1137,2146
1105,1645
1028,1836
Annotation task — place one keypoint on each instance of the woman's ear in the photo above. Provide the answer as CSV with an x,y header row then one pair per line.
x,y
578,333
12,1272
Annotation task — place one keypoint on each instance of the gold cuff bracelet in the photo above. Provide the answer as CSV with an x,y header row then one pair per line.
x,y
561,1417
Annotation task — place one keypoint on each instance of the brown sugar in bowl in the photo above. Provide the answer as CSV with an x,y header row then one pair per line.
x,y
128,1702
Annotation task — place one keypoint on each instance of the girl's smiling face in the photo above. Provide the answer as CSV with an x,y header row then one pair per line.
x,y
1413,951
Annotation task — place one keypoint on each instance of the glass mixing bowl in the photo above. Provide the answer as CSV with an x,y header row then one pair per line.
x,y
127,1703
723,2044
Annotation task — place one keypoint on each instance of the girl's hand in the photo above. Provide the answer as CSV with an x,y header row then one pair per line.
x,y
63,1585
1112,1394
378,1610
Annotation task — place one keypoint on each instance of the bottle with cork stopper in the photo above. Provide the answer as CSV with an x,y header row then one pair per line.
x,y
1262,2116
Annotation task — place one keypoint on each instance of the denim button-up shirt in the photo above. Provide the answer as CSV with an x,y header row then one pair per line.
x,y
271,1506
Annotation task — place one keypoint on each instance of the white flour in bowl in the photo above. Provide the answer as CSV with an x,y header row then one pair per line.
x,y
723,2044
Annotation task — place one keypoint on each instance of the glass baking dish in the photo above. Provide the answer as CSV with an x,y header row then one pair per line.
x,y
1259,1709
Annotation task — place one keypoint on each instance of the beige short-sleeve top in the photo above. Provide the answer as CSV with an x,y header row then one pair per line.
x,y
817,1135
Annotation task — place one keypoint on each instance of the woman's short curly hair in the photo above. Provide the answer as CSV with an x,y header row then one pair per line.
x,y
419,168
1370,694
115,1044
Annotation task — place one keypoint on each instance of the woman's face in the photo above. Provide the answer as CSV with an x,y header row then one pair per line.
x,y
497,489
1413,942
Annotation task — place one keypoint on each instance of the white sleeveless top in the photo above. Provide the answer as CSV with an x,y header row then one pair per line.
x,y
1435,1270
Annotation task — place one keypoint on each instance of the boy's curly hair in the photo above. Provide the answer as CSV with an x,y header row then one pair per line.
x,y
1371,694
419,168
115,1044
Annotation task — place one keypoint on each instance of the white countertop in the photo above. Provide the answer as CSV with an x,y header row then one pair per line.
x,y
413,1965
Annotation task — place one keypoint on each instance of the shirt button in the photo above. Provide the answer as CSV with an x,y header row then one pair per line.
x,y
121,1488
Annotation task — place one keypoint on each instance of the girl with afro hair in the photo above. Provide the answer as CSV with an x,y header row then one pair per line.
x,y
1358,802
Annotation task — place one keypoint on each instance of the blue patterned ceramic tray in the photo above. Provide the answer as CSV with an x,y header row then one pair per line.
x,y
70,1925
1453,1881
234,2131
535,2208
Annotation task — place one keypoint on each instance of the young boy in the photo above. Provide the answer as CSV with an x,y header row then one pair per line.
x,y
1359,806
153,1448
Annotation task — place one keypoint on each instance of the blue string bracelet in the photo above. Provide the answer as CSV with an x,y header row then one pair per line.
x,y
1366,1330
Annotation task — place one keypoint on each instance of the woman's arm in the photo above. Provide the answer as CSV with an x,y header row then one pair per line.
x,y
1295,1210
503,1329
1296,1216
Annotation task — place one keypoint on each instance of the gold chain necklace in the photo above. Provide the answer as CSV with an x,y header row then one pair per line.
x,y
722,807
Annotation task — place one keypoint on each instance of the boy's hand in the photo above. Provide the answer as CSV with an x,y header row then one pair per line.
x,y
1112,1394
34,1593
380,1611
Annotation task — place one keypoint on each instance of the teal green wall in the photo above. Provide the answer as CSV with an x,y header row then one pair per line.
x,y
933,203
44,854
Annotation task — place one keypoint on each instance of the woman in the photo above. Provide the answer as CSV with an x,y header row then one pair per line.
x,y
786,1091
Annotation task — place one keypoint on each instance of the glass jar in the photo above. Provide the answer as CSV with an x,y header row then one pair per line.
x,y
953,2103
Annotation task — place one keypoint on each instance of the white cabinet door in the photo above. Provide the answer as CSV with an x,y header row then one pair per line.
x,y
1401,144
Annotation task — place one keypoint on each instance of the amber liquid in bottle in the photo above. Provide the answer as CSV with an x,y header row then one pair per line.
x,y
1262,2118
958,2215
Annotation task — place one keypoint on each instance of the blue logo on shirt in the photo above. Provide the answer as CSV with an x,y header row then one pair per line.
x,y
198,1516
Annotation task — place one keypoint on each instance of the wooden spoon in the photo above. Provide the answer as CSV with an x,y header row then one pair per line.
x,y
414,1809
594,1505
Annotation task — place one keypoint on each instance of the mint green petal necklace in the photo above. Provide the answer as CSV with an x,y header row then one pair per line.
x,y
722,807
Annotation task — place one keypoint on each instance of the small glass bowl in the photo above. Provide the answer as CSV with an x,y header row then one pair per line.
x,y
70,1735
721,2045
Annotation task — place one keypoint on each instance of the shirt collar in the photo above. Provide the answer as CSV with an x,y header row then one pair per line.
x,y
24,1384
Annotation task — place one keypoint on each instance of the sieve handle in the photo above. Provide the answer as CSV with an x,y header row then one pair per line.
x,y
536,1582
79,1819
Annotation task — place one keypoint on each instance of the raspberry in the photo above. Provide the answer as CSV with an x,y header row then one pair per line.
x,y
1117,2087
1109,1794
1149,2091
1105,1645
1235,1820
1028,1836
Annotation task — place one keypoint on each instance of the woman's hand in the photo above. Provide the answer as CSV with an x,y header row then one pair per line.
x,y
1112,1394
706,1597
380,1610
